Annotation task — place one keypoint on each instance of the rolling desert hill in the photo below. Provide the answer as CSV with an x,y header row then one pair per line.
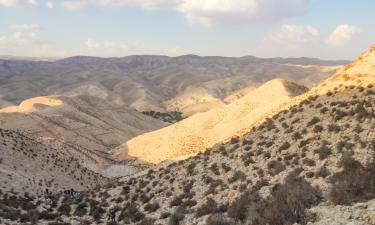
x,y
203,130
81,121
188,84
311,161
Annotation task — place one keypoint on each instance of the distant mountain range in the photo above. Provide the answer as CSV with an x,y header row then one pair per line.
x,y
187,83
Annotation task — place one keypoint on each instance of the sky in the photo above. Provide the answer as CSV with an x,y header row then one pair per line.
x,y
327,29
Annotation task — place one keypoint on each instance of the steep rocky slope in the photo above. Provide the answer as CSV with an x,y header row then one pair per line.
x,y
81,121
188,84
203,130
309,162
29,165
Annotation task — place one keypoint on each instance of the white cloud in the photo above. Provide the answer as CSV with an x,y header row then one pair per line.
x,y
33,27
216,12
146,4
342,34
201,12
93,44
8,2
295,33
49,4
32,3
106,47
21,35
3,41
212,12
74,4
175,51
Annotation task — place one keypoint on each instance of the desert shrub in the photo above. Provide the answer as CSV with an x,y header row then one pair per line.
x,y
215,169
323,151
358,129
234,140
309,174
289,201
96,212
190,168
324,110
26,205
130,213
322,172
164,215
334,128
267,155
339,114
297,135
152,207
318,129
284,146
308,162
355,183
45,215
30,216
189,203
238,209
64,209
225,167
286,204
176,218
81,210
219,219
238,175
275,167
58,223
247,141
144,198
177,200
313,121
147,221
112,223
209,207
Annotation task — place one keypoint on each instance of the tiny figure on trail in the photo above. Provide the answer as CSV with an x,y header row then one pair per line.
x,y
112,213
77,196
71,193
48,193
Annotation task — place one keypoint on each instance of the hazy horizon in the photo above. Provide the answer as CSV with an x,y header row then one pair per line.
x,y
51,58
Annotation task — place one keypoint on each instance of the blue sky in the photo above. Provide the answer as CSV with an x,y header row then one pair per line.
x,y
329,29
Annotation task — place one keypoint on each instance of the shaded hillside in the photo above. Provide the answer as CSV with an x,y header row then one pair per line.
x,y
153,83
28,165
82,121
297,166
203,130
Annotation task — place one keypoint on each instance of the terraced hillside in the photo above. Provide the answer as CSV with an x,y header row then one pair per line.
x,y
311,161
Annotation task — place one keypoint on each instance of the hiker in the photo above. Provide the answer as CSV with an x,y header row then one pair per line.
x,y
77,196
71,193
112,213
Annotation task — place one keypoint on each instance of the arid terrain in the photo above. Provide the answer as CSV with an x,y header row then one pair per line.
x,y
187,84
270,152
206,129
83,121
